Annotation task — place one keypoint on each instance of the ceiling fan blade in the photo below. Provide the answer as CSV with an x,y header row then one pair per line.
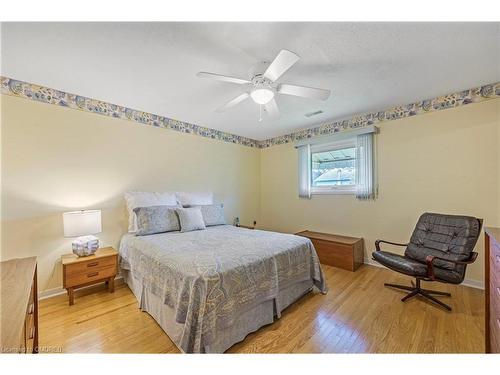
x,y
272,109
281,64
303,91
233,102
220,77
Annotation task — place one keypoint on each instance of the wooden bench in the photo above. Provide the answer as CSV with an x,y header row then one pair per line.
x,y
338,251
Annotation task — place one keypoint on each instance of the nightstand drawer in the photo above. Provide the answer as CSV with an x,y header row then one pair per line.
x,y
90,275
83,271
90,266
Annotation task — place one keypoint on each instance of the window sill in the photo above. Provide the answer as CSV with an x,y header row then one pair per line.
x,y
333,192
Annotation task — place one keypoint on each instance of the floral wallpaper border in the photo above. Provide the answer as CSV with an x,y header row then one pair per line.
x,y
51,96
454,100
43,94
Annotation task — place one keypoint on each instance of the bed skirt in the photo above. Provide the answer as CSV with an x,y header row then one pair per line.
x,y
246,323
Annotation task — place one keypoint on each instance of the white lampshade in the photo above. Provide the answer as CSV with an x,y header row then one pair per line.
x,y
81,223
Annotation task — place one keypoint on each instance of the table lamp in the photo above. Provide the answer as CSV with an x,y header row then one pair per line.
x,y
83,224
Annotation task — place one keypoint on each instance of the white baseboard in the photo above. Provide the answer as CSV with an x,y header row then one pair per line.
x,y
478,284
49,293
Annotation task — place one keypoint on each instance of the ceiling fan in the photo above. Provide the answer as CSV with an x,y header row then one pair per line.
x,y
262,87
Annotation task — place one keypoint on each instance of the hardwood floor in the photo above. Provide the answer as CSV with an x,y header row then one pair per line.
x,y
358,315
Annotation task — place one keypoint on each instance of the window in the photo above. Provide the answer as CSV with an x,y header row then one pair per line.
x,y
338,164
333,168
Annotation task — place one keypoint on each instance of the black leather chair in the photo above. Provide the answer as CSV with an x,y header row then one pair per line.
x,y
440,249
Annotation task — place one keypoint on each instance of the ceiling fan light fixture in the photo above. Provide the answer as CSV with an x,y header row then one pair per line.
x,y
263,86
262,95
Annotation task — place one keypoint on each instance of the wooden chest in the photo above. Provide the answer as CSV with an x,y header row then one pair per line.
x,y
492,286
19,306
338,251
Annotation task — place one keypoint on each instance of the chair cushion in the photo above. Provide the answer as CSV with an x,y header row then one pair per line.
x,y
410,267
400,263
446,236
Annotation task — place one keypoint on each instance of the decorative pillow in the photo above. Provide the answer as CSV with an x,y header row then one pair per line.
x,y
156,219
213,214
145,199
194,199
190,219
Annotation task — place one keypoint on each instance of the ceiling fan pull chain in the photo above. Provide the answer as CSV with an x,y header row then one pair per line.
x,y
260,112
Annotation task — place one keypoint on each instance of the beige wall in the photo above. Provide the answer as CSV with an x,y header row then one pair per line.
x,y
56,159
445,161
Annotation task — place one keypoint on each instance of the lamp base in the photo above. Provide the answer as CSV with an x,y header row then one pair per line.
x,y
85,245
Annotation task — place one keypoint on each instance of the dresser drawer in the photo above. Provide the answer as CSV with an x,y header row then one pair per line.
x,y
495,292
89,276
494,284
90,265
494,305
22,344
495,334
30,333
495,255
494,340
29,323
30,316
494,263
494,246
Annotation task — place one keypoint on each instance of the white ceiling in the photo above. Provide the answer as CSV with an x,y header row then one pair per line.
x,y
152,66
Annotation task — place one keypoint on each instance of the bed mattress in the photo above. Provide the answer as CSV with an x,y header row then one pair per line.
x,y
203,287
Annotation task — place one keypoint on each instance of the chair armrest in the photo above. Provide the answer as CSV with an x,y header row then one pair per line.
x,y
378,242
430,260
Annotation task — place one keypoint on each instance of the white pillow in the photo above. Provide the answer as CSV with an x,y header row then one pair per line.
x,y
145,199
190,219
194,199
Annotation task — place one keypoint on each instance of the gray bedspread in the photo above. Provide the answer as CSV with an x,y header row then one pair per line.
x,y
207,277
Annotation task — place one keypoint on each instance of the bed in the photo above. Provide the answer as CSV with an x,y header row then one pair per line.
x,y
208,289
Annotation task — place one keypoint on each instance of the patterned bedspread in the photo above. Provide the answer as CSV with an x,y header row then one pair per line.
x,y
207,277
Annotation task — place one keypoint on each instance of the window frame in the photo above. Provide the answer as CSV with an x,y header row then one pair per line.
x,y
332,146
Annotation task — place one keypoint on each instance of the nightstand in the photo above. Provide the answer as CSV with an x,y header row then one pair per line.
x,y
83,271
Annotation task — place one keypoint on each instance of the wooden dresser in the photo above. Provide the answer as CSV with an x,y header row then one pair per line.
x,y
19,306
492,286
338,251
82,271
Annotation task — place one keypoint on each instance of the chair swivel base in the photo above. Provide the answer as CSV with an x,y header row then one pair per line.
x,y
417,290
